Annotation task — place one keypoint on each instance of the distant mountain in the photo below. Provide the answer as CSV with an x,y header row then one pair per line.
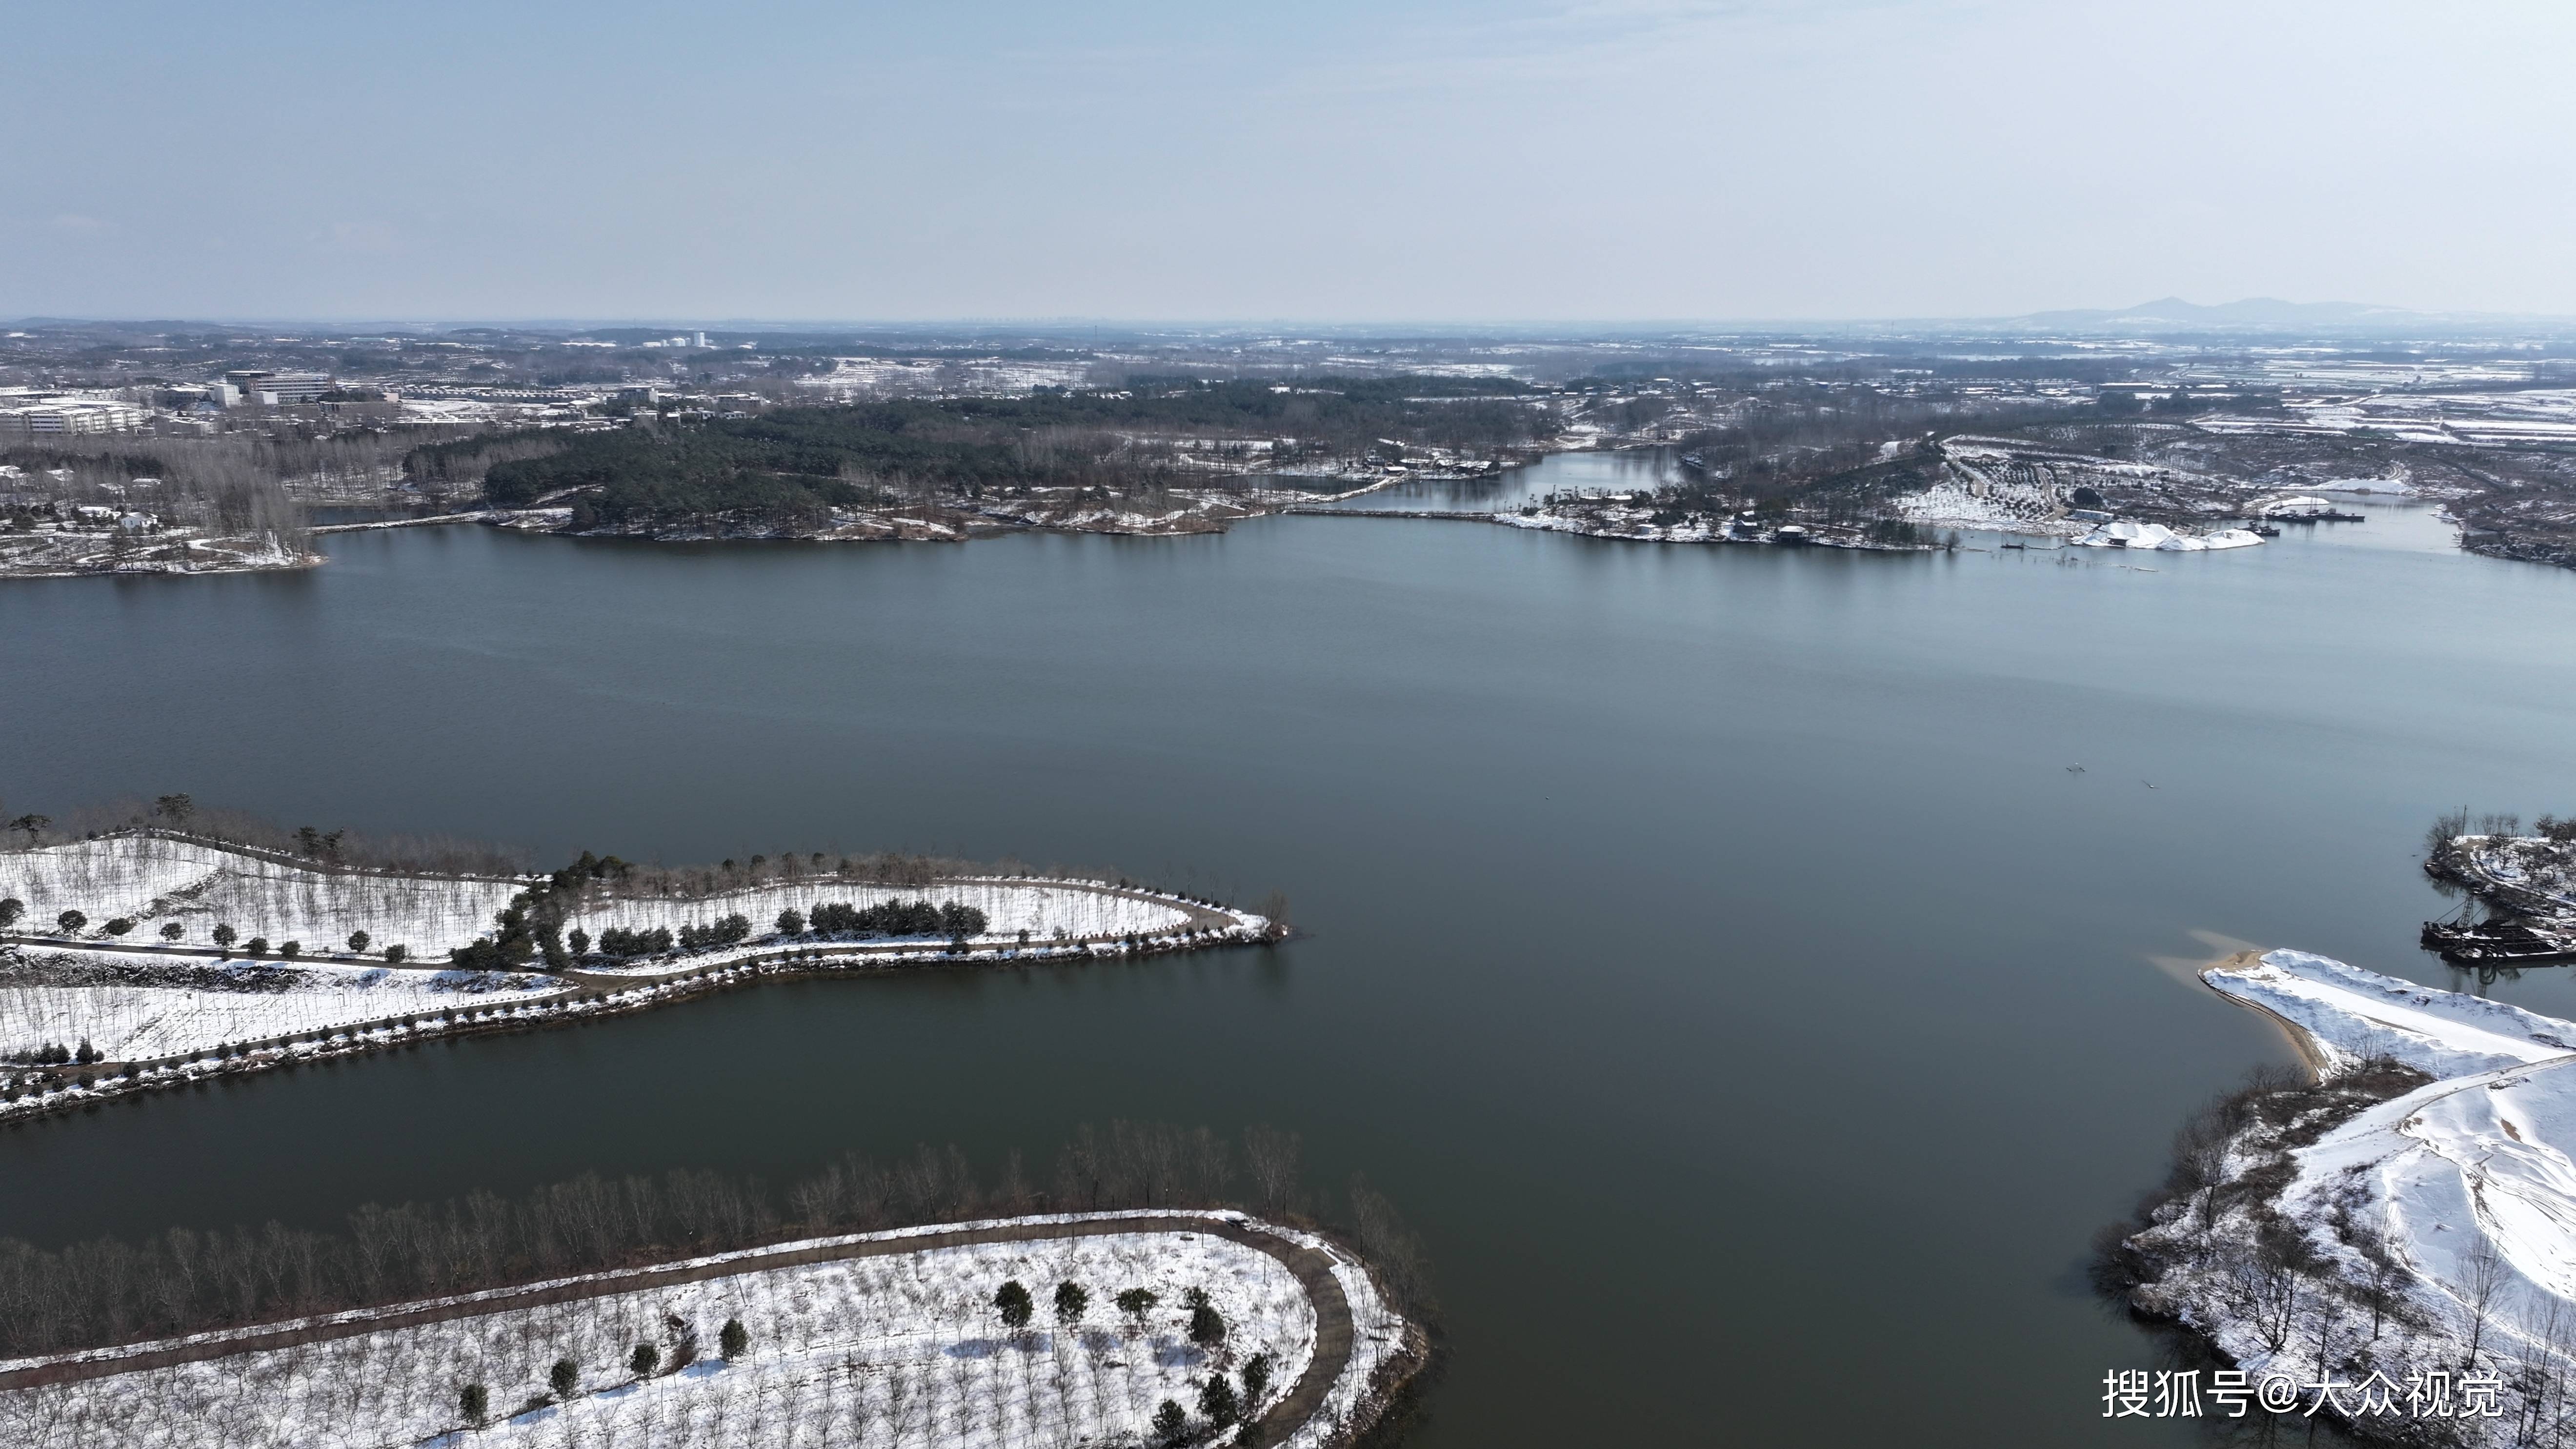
x,y
2253,313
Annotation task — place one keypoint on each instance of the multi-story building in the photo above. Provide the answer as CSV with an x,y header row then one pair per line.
x,y
69,415
270,389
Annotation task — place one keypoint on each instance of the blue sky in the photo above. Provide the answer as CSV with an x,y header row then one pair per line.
x,y
1512,160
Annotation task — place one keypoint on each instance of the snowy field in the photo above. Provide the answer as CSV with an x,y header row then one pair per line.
x,y
154,879
2126,534
904,1349
132,1006
2487,419
2016,486
2458,1199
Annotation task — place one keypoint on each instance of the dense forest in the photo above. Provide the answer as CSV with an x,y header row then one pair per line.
x,y
787,469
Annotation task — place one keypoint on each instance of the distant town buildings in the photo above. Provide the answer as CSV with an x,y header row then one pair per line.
x,y
274,389
30,414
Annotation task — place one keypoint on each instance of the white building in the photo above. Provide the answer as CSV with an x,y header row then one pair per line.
x,y
57,417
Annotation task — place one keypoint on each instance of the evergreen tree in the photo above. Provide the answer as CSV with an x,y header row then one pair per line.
x,y
71,922
1014,1304
172,930
10,910
474,1402
1136,1303
1256,1380
1217,1402
395,954
358,940
734,1340
644,1360
791,922
1169,1422
1071,1302
1207,1326
564,1378
224,937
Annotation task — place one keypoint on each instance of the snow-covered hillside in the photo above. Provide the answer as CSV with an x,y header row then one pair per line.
x,y
904,1349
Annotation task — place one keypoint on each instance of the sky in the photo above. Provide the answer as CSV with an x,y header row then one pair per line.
x,y
1342,160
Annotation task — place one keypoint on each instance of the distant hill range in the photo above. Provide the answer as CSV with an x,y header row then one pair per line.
x,y
2253,314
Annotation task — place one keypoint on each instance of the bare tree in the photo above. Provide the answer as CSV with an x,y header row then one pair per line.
x,y
2482,1279
1273,1158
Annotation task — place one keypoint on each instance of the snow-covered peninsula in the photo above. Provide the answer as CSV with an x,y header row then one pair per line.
x,y
148,957
1214,1325
2397,1238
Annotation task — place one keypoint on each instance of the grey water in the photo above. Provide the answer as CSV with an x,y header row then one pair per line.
x,y
1715,952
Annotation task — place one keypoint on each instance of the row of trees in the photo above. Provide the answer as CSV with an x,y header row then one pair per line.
x,y
1219,1404
342,848
73,922
112,1291
952,919
889,918
563,1380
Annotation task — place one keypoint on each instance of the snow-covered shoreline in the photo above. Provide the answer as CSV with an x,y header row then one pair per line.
x,y
2408,1221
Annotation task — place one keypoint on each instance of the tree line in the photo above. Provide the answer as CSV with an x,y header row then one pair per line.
x,y
109,1291
788,468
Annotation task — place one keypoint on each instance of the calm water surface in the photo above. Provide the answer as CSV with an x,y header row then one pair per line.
x,y
1710,949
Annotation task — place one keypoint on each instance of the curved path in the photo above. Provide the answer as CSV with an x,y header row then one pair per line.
x,y
1313,1267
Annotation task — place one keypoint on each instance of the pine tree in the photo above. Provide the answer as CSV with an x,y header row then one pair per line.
x,y
1071,1302
1015,1305
1136,1303
1207,1326
734,1340
564,1378
1217,1402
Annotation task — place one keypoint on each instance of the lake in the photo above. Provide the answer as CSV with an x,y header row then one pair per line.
x,y
1711,950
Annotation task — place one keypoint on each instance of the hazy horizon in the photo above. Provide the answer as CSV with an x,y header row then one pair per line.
x,y
1627,163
